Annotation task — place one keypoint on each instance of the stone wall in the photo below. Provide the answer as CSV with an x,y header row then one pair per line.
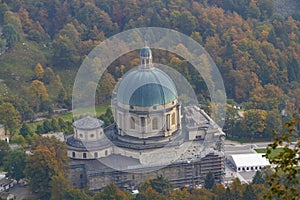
x,y
188,173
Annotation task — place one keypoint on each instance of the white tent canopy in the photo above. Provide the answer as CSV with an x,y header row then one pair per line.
x,y
249,162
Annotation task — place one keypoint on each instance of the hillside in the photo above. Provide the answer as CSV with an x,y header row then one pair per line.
x,y
255,45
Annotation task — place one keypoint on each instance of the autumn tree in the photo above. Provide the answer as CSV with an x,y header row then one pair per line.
x,y
10,117
47,165
180,194
109,192
37,93
38,71
22,106
254,122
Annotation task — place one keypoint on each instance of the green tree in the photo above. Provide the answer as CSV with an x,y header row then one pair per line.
x,y
236,189
10,117
55,125
47,126
284,182
3,8
160,184
49,75
14,164
209,181
13,19
4,149
58,186
10,34
249,193
73,193
25,130
258,178
105,88
227,194
66,54
40,129
108,117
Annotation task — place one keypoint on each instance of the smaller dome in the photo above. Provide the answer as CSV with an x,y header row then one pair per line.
x,y
145,52
88,123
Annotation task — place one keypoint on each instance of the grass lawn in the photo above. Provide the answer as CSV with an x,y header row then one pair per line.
x,y
274,152
18,62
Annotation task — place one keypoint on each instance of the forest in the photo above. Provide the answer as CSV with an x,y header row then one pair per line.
x,y
255,46
256,49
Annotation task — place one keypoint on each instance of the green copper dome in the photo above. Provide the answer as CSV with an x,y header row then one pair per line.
x,y
146,88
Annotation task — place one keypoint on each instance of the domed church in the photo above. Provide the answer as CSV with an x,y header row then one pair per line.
x,y
153,135
147,102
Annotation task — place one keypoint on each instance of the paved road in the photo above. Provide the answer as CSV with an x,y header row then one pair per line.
x,y
21,192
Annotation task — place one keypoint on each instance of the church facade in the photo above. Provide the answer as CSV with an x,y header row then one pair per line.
x,y
153,135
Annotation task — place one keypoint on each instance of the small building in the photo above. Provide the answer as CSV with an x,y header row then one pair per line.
x,y
88,132
3,136
248,162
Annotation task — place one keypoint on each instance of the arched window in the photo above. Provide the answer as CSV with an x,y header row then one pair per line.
x,y
173,119
154,124
132,123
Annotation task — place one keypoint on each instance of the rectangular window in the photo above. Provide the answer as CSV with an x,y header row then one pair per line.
x,y
154,124
132,123
143,121
168,122
173,118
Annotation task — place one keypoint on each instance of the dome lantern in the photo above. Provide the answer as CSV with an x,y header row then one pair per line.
x,y
146,57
